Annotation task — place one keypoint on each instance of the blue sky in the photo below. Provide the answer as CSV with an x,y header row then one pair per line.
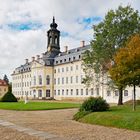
x,y
24,23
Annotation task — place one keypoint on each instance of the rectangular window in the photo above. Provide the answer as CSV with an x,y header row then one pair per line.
x,y
54,92
58,70
116,92
76,79
47,79
58,81
77,91
97,91
58,92
86,91
67,68
54,81
39,93
81,91
62,69
71,79
40,80
126,93
47,93
92,91
76,67
108,93
67,92
62,80
62,91
71,68
71,91
66,80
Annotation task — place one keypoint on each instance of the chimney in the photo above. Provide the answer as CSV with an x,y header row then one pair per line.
x,y
82,43
33,58
65,48
26,60
38,57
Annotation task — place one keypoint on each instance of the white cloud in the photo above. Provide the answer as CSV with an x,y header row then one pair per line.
x,y
16,45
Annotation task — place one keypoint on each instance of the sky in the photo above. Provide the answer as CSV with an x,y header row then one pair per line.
x,y
24,24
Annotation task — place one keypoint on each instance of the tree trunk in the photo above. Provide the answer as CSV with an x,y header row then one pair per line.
x,y
134,99
120,101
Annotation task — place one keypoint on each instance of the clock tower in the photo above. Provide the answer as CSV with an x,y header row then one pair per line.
x,y
53,38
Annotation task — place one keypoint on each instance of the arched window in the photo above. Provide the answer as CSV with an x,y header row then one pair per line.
x,y
55,40
34,80
40,80
39,93
47,79
50,40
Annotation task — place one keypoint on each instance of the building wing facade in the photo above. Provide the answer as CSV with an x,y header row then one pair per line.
x,y
59,75
3,87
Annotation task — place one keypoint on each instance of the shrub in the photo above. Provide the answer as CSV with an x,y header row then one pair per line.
x,y
93,104
9,97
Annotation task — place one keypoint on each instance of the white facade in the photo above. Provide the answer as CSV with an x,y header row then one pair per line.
x,y
21,84
59,75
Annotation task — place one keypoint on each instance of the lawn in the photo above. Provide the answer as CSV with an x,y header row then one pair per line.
x,y
37,106
117,116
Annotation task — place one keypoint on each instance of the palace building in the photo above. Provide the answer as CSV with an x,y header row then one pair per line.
x,y
3,87
58,75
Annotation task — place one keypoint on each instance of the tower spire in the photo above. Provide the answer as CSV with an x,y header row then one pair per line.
x,y
53,37
53,19
53,24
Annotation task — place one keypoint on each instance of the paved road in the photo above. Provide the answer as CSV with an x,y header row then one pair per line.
x,y
60,123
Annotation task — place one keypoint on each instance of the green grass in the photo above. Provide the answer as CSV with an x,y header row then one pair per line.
x,y
117,116
36,106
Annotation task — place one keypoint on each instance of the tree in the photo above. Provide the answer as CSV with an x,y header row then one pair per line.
x,y
126,69
110,35
5,78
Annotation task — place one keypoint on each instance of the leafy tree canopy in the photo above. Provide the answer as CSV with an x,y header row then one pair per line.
x,y
126,70
111,34
5,78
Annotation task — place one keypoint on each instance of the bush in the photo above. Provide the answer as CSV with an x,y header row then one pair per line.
x,y
9,97
93,104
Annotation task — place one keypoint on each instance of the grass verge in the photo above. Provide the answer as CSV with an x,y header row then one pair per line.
x,y
36,106
117,116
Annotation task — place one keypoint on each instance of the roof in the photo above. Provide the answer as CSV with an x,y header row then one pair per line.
x,y
71,55
3,83
52,59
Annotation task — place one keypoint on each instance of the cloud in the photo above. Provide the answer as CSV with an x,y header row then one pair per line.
x,y
23,25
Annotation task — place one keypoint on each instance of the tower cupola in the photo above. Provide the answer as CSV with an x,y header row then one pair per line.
x,y
53,38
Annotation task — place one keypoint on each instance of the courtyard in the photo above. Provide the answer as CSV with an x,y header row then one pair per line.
x,y
60,124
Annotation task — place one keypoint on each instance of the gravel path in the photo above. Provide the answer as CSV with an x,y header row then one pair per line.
x,y
60,123
10,134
